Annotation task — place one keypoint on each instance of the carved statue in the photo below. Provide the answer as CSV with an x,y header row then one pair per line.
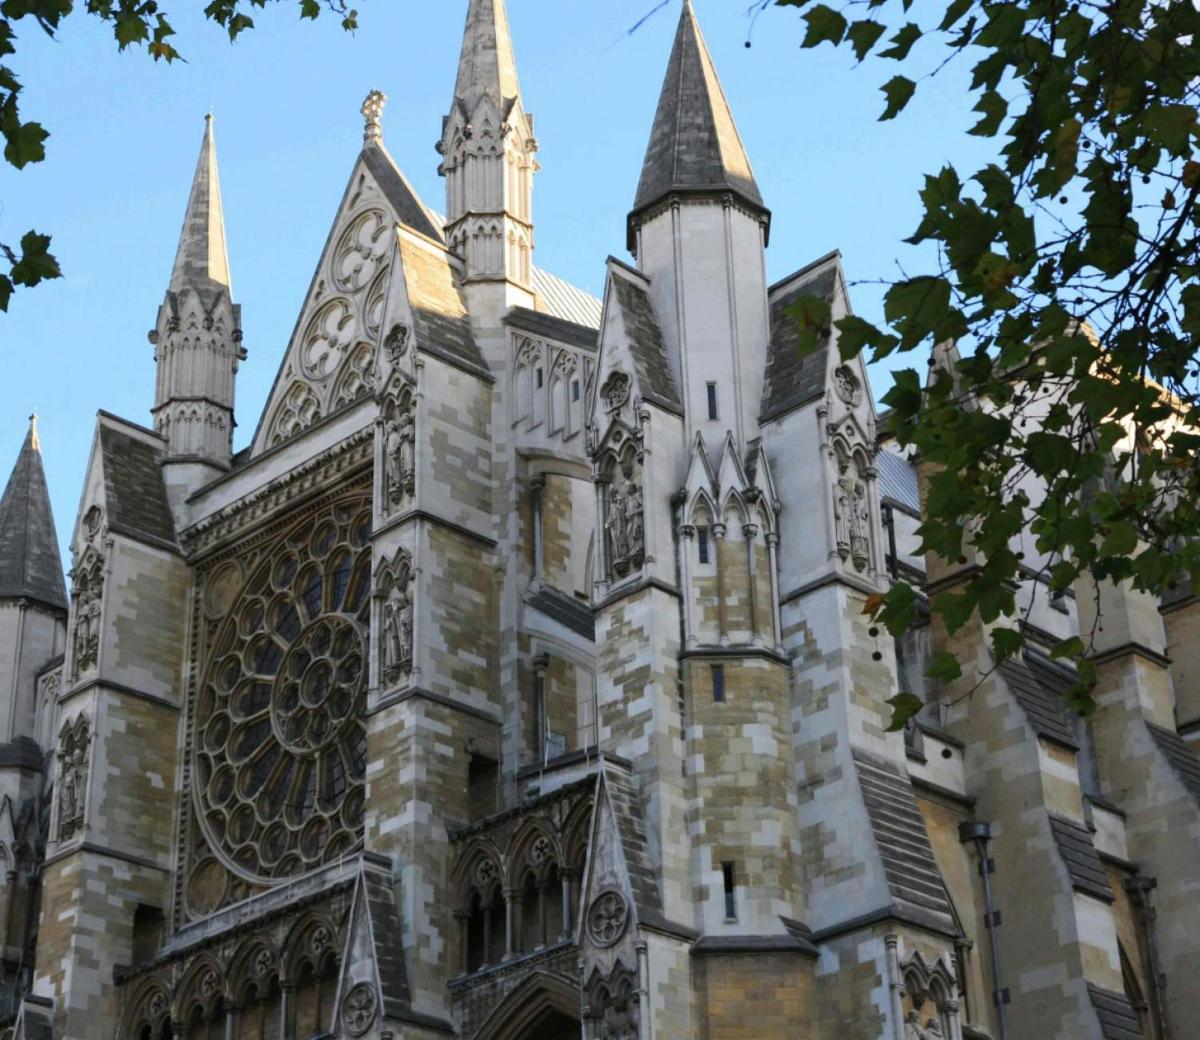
x,y
397,635
399,454
841,516
87,633
635,526
860,526
913,1030
72,756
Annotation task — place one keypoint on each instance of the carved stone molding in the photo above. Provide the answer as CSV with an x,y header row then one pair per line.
x,y
74,745
359,1009
607,918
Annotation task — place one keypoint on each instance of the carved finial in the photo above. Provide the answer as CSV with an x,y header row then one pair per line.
x,y
372,110
34,440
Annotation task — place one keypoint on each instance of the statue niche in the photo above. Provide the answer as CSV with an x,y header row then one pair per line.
x,y
86,594
624,515
399,448
852,511
611,1004
73,747
394,591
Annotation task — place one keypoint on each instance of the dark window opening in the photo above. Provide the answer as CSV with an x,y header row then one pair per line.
x,y
483,784
702,543
148,924
718,683
575,390
539,378
712,400
730,895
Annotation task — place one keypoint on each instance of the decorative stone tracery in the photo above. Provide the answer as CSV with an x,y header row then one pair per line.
x,y
298,411
359,1009
929,1004
280,742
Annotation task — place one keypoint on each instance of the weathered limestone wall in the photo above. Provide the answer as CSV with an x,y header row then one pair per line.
x,y
1182,624
30,636
747,996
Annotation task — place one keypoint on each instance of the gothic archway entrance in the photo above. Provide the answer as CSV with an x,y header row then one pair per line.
x,y
543,1007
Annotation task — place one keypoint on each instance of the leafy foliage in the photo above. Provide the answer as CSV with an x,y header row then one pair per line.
x,y
1063,311
134,23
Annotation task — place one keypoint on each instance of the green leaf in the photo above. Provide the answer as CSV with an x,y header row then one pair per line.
x,y
35,263
863,36
1067,648
993,108
811,314
1121,539
904,707
1170,126
309,9
1006,642
902,42
824,24
944,668
26,144
898,90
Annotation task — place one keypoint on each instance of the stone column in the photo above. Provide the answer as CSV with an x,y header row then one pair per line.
x,y
510,908
463,917
536,486
750,532
773,550
718,533
601,556
287,1009
895,984
687,540
232,1010
565,875
645,1026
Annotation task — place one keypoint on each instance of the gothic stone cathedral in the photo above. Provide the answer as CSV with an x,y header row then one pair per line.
x,y
515,683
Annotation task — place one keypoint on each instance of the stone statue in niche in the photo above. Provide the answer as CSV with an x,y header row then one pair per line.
x,y
612,1004
913,1030
397,634
841,516
399,452
72,778
860,526
624,519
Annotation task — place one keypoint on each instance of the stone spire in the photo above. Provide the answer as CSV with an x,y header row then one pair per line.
x,y
30,566
198,337
488,150
487,64
694,145
202,260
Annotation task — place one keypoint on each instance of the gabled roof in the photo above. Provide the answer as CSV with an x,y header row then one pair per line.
x,y
792,380
30,566
694,144
134,493
646,346
1038,686
202,260
439,310
409,209
1182,758
1080,857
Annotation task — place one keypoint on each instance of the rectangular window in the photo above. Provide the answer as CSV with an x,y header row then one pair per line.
x,y
702,543
575,390
712,400
718,683
539,378
730,893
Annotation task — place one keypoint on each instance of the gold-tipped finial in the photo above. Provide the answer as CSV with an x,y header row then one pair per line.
x,y
372,110
34,440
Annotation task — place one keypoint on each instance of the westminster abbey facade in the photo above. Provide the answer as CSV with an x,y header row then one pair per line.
x,y
515,682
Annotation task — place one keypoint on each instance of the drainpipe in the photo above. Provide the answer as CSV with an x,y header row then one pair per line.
x,y
979,834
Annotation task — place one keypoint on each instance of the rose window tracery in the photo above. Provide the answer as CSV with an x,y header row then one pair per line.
x,y
280,736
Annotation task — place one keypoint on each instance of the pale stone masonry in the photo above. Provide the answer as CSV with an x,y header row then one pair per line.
x,y
517,681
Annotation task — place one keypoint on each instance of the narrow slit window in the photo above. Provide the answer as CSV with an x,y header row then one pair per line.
x,y
575,390
539,378
718,683
730,892
702,543
712,400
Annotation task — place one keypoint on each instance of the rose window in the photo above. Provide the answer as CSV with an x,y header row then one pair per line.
x,y
280,739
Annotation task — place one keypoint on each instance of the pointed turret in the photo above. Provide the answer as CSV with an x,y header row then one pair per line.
x,y
698,230
694,145
30,566
198,338
202,259
488,151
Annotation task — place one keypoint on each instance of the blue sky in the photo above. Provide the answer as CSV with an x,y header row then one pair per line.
x,y
126,132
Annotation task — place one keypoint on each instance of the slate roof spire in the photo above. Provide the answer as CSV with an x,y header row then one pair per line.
x,y
202,261
30,566
487,64
694,144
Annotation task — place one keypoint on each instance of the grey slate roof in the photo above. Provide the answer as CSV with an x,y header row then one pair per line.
x,y
134,491
443,328
202,261
394,185
898,480
566,610
387,935
1038,687
1182,758
30,566
694,144
1118,1020
627,812
646,345
792,380
1078,853
550,327
912,872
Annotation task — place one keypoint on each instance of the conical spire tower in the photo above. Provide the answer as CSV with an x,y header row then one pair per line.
x,y
30,565
694,145
488,150
198,335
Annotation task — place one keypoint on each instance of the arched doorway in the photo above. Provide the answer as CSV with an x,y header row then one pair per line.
x,y
543,1007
